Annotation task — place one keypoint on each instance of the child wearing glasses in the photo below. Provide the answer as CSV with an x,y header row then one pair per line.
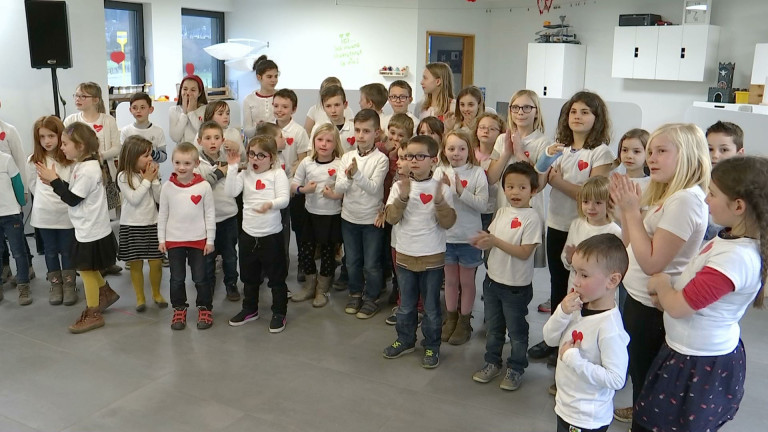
x,y
400,97
485,131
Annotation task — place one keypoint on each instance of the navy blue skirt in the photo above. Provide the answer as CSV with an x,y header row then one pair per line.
x,y
691,393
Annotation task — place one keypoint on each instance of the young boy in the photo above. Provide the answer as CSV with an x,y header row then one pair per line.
x,y
422,208
512,238
334,102
297,144
400,97
725,140
374,96
362,187
186,228
587,326
12,224
141,108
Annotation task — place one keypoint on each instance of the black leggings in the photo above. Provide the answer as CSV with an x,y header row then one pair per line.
x,y
327,258
558,274
645,326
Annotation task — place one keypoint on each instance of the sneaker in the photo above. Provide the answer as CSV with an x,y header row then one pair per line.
x,y
396,350
546,307
552,359
487,373
277,323
353,305
204,318
623,415
511,381
289,294
233,294
430,360
552,390
111,270
243,317
368,309
392,318
179,320
541,351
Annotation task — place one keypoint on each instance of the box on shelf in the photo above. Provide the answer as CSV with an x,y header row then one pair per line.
x,y
742,97
630,20
756,93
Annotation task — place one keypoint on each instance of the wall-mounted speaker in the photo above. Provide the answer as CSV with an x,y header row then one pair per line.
x,y
48,33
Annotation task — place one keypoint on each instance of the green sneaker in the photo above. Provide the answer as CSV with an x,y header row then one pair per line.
x,y
430,360
396,350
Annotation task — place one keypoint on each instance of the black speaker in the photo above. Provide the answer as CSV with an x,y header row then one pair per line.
x,y
48,33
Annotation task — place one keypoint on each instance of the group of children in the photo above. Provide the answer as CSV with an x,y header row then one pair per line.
x,y
430,197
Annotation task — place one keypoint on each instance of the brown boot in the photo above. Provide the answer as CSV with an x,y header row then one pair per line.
x,y
307,289
107,297
90,319
56,296
321,294
69,287
449,325
463,331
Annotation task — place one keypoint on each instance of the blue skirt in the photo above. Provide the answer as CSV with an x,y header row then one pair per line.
x,y
691,393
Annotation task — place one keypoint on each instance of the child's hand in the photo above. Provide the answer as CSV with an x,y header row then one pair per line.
x,y
161,247
509,143
328,192
554,176
483,240
445,180
264,207
150,173
625,194
351,169
459,186
569,250
208,249
47,175
658,282
568,345
449,120
555,148
379,221
405,186
309,187
572,302
233,156
439,193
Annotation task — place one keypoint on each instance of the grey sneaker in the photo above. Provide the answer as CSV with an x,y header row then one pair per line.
x,y
392,318
487,373
367,310
430,360
396,350
511,381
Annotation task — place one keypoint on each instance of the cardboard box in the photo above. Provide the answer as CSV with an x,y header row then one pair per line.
x,y
756,93
742,97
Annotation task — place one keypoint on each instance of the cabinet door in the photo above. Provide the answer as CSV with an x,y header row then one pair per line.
x,y
668,56
554,70
646,43
623,52
694,60
535,72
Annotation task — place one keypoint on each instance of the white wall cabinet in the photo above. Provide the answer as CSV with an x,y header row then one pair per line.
x,y
678,53
555,70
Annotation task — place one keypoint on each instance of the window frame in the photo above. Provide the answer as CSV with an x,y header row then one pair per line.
x,y
140,56
218,79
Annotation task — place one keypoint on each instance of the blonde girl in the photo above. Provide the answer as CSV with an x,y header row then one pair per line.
x,y
437,84
140,186
49,213
186,116
663,238
485,132
257,106
95,246
316,113
315,179
461,171
470,105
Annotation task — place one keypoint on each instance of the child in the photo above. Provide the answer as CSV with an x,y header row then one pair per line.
x,y
12,224
703,357
511,238
592,360
422,208
400,97
334,103
186,228
141,108
49,213
437,84
214,170
315,179
663,238
316,113
95,247
725,140
433,128
460,169
583,134
265,192
218,111
470,105
632,156
186,117
374,96
257,106
137,177
485,131
363,188
297,142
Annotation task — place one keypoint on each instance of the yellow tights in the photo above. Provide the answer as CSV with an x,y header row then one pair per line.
x,y
155,275
92,281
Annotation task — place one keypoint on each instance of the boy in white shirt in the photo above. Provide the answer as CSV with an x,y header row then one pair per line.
x,y
141,108
334,102
374,96
512,238
297,144
587,326
422,208
400,97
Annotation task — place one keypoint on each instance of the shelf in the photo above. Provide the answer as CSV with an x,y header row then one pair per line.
x,y
393,73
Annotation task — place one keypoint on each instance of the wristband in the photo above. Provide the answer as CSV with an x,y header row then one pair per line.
x,y
298,192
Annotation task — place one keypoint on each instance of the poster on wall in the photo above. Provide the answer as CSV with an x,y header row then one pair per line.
x,y
453,58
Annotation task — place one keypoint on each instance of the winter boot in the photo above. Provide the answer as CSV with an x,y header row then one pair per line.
x,y
90,319
449,325
24,295
463,331
321,294
107,297
56,295
307,290
70,290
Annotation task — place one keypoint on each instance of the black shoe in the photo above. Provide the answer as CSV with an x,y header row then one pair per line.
x,y
552,359
243,317
541,350
353,305
277,324
233,294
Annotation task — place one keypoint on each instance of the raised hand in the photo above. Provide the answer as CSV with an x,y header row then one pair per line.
x,y
351,169
459,186
405,186
47,175
572,302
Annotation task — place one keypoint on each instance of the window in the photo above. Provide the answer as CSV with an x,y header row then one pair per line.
x,y
200,29
124,30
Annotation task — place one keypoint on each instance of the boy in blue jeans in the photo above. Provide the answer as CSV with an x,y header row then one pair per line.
x,y
422,208
12,225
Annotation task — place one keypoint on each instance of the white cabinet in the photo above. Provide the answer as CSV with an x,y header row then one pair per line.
x,y
555,69
678,53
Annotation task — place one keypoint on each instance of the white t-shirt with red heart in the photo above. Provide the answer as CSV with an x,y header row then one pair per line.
x,y
107,133
518,226
90,217
296,142
258,189
418,233
346,133
324,174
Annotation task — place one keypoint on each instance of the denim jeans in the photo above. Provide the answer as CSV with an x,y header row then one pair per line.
x,y
225,244
506,308
265,254
178,258
427,285
58,243
12,227
362,247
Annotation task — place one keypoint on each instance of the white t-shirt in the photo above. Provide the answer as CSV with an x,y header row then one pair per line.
x,y
684,214
257,108
90,217
576,167
153,134
317,113
139,206
48,210
714,330
418,232
186,212
184,127
258,189
109,137
469,204
10,143
431,111
226,206
518,226
296,142
534,144
588,377
364,193
325,174
8,170
581,230
346,133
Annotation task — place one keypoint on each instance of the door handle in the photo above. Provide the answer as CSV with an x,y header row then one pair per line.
x,y
682,53
637,52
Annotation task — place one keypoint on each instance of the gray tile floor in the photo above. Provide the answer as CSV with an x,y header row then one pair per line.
x,y
325,372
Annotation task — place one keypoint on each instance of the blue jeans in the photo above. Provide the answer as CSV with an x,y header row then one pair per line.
x,y
506,307
12,227
178,258
362,247
427,285
58,243
225,244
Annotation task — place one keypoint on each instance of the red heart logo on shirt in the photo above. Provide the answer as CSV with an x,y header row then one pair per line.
x,y
2,136
196,198
583,165
200,118
260,185
577,336
526,154
283,166
425,198
331,172
351,140
706,248
98,128
515,223
463,183
441,118
289,141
